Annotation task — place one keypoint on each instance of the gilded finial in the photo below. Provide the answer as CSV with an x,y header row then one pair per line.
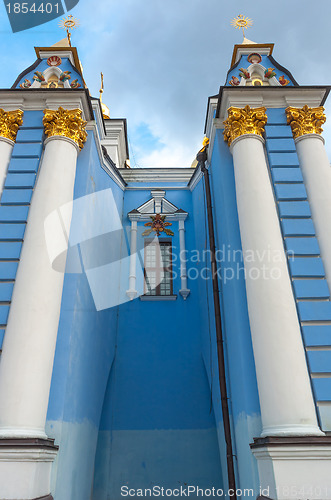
x,y
102,87
105,109
241,22
205,144
69,23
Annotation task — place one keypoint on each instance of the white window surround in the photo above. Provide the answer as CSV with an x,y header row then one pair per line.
x,y
157,205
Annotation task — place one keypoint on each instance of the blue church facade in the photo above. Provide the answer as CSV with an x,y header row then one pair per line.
x,y
132,365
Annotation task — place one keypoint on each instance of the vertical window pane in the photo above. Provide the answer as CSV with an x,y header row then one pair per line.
x,y
158,277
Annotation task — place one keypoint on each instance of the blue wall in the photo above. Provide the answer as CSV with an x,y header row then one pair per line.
x,y
157,425
129,389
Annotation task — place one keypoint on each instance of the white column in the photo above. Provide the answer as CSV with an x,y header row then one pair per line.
x,y
184,291
6,148
286,400
29,344
132,292
316,172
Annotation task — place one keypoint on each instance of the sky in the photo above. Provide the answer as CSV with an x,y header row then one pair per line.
x,y
161,60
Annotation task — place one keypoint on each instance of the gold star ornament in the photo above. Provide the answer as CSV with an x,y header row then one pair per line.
x,y
69,23
241,22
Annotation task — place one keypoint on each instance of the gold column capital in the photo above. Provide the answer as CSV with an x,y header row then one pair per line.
x,y
65,123
243,121
10,121
305,120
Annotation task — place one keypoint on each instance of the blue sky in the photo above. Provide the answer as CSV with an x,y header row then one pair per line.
x,y
162,59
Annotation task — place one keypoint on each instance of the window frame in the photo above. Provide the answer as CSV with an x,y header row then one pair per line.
x,y
157,268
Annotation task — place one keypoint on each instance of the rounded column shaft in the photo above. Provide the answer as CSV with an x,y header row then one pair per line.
x,y
286,400
315,165
29,343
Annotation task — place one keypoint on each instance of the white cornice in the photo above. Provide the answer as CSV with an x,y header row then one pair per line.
x,y
196,178
61,52
38,99
269,97
157,175
104,163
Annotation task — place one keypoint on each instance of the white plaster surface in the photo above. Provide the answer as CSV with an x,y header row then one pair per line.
x,y
287,404
29,344
316,172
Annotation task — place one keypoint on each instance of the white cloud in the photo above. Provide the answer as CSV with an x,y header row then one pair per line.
x,y
162,59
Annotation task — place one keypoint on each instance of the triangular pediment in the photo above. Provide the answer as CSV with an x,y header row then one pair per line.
x,y
158,204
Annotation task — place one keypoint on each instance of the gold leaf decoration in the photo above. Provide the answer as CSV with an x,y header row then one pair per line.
x,y
10,121
67,123
243,121
305,120
158,225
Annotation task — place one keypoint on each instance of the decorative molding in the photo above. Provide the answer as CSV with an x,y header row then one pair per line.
x,y
275,441
64,122
158,208
158,204
62,138
305,120
158,225
7,141
246,136
10,121
269,97
156,175
242,121
310,136
45,444
156,298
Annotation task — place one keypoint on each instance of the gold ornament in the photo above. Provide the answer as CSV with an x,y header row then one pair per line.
x,y
241,22
305,120
69,23
67,123
243,121
158,225
9,123
105,109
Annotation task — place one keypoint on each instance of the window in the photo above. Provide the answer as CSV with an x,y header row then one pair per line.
x,y
158,267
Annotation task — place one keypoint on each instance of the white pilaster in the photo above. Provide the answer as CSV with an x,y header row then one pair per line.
x,y
184,291
29,344
316,172
132,292
286,400
158,197
6,148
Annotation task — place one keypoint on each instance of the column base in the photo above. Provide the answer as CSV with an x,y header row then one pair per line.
x,y
184,292
293,430
294,468
132,294
25,468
